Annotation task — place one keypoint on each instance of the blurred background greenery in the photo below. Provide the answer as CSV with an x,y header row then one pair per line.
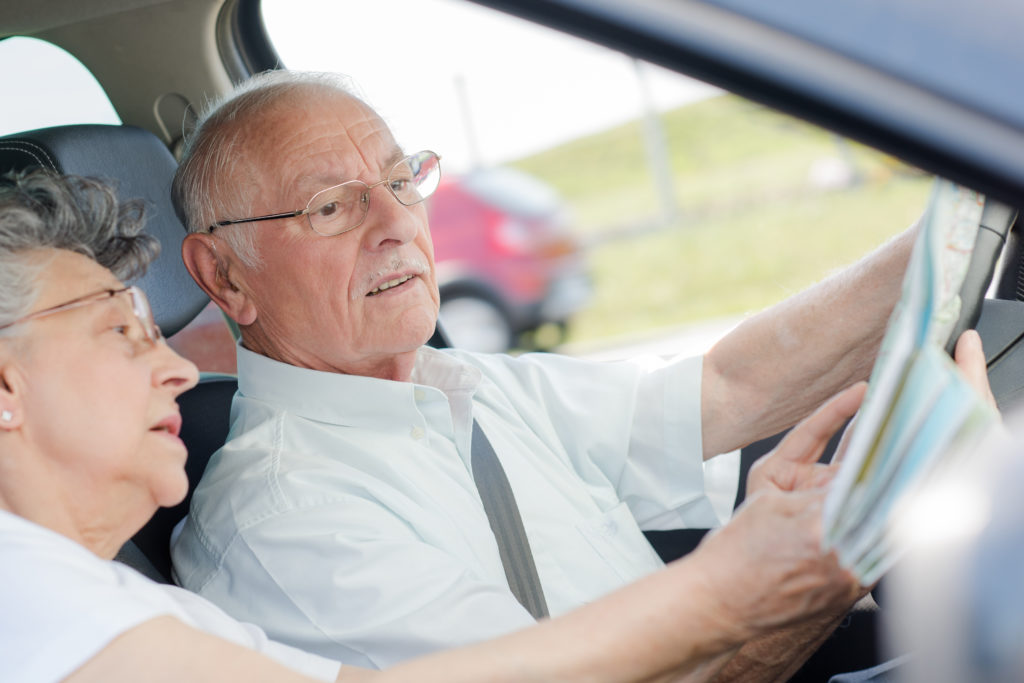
x,y
762,206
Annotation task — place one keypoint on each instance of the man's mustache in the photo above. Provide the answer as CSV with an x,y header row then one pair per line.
x,y
415,265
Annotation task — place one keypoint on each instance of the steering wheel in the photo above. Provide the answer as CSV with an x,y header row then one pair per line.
x,y
996,220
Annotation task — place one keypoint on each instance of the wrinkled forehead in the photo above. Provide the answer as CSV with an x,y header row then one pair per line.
x,y
317,140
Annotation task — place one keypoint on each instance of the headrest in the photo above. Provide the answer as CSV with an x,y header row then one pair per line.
x,y
140,167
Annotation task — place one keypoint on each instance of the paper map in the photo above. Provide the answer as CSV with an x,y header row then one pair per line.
x,y
918,407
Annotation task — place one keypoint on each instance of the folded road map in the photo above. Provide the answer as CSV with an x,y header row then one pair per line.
x,y
919,410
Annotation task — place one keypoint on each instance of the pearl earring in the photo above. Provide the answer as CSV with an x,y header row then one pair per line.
x,y
6,416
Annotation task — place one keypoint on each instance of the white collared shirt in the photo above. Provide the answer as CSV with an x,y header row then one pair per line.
x,y
342,515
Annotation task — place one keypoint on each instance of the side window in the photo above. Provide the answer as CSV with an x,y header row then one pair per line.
x,y
40,91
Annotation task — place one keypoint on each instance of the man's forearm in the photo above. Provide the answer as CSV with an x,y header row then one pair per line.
x,y
760,572
656,629
779,365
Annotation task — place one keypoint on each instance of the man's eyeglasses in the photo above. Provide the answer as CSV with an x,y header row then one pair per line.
x,y
343,207
132,298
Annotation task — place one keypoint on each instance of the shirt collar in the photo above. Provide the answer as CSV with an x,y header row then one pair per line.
x,y
352,400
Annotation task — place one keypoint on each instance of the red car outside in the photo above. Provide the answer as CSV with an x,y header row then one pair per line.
x,y
507,262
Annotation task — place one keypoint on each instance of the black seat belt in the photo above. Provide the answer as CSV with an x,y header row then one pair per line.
x,y
507,525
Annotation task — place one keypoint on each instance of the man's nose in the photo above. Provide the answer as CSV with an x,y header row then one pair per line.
x,y
389,222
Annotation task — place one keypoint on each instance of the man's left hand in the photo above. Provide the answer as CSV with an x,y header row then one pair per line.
x,y
970,358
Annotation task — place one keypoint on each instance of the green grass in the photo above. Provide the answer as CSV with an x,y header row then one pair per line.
x,y
751,229
740,262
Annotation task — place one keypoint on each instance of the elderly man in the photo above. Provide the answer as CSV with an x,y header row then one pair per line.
x,y
342,515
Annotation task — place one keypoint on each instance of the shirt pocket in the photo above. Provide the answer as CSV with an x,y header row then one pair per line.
x,y
616,538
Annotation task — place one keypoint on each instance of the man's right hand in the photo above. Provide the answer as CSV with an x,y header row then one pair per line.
x,y
765,569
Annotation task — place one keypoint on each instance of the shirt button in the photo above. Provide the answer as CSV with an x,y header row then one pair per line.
x,y
419,394
417,433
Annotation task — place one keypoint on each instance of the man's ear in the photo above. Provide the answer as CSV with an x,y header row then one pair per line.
x,y
214,272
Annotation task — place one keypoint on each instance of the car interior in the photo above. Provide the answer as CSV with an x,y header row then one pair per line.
x,y
143,167
139,155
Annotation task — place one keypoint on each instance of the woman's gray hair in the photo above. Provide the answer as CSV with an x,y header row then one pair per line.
x,y
215,179
43,210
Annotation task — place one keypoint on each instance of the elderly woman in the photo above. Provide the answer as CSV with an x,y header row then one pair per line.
x,y
89,449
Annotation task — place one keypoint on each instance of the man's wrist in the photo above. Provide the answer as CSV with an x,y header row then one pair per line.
x,y
724,625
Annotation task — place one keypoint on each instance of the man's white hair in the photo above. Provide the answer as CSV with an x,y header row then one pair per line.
x,y
215,179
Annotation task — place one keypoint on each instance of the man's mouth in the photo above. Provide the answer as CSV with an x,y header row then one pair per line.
x,y
389,284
